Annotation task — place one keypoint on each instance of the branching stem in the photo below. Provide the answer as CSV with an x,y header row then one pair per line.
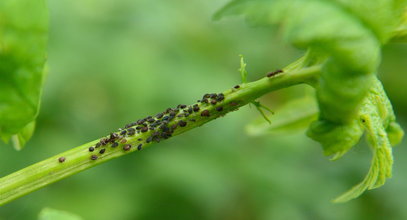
x,y
77,159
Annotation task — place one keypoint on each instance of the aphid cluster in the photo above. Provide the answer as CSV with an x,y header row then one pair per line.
x,y
161,126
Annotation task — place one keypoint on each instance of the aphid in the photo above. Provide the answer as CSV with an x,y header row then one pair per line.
x,y
213,101
196,108
220,97
174,126
91,149
144,129
193,119
186,114
139,147
123,132
149,139
205,100
236,86
140,139
206,96
127,147
181,115
190,110
274,73
114,135
151,120
166,118
205,113
172,114
98,145
124,140
61,159
219,109
115,144
213,96
183,106
102,151
93,157
131,131
159,115
182,123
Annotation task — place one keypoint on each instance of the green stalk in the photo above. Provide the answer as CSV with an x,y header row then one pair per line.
x,y
77,159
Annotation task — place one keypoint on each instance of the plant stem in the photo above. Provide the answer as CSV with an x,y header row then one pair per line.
x,y
77,159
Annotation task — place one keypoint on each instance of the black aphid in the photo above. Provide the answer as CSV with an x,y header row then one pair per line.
x,y
205,100
213,96
93,157
149,139
102,151
274,73
61,159
115,144
140,139
205,113
131,131
127,147
124,140
91,149
174,126
206,96
123,132
182,123
195,108
139,147
220,97
236,86
219,109
172,114
166,118
113,136
213,101
98,145
144,129
159,115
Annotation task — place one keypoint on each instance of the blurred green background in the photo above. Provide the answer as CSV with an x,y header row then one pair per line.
x,y
114,61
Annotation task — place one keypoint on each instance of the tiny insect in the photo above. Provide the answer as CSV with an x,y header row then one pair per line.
x,y
219,109
127,147
115,144
205,113
274,73
91,149
139,147
61,159
93,157
182,123
236,86
102,151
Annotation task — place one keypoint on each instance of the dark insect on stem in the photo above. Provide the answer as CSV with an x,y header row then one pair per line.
x,y
91,149
123,132
144,129
219,109
159,115
93,157
213,101
236,87
127,147
115,144
98,145
195,108
61,159
102,151
182,123
139,147
274,73
205,113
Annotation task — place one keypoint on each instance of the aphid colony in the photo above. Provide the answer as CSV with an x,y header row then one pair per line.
x,y
159,127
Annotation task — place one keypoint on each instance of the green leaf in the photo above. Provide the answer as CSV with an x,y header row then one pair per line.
x,y
292,117
20,139
53,214
377,117
23,40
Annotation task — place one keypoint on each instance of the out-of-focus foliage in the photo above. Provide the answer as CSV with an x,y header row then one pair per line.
x,y
348,42
23,40
112,62
53,214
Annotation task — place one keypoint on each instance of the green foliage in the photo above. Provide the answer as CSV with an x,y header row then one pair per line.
x,y
347,43
23,40
53,214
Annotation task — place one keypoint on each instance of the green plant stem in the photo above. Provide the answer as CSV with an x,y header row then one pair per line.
x,y
51,170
